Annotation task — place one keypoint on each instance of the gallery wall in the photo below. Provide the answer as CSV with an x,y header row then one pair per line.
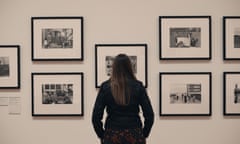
x,y
115,22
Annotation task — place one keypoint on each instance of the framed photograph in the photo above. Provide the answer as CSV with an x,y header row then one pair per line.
x,y
231,90
185,37
231,37
57,38
9,66
185,94
105,54
57,94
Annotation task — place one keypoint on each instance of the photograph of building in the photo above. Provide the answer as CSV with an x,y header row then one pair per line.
x,y
185,94
185,37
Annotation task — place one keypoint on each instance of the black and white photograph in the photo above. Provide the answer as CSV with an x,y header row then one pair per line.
x,y
9,66
57,38
4,67
185,37
57,94
237,93
231,37
110,59
185,93
237,37
231,97
105,54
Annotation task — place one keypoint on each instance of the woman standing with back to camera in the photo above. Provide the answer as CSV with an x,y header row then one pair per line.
x,y
122,96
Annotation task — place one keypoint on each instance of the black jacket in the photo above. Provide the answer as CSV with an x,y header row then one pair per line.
x,y
122,116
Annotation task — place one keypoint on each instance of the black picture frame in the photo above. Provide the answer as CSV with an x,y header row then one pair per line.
x,y
231,93
10,67
104,54
231,38
185,38
185,94
57,94
57,38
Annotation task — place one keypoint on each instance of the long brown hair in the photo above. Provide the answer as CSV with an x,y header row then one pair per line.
x,y
121,72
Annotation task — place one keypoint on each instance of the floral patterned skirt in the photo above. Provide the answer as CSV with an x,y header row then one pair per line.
x,y
124,136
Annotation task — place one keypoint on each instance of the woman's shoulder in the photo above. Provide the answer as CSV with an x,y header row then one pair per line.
x,y
105,84
136,83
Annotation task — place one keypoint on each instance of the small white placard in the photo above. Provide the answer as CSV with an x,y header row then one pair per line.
x,y
14,105
3,101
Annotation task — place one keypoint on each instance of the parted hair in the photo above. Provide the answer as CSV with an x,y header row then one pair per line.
x,y
122,72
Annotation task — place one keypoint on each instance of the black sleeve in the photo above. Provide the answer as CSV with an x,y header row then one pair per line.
x,y
97,114
148,113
